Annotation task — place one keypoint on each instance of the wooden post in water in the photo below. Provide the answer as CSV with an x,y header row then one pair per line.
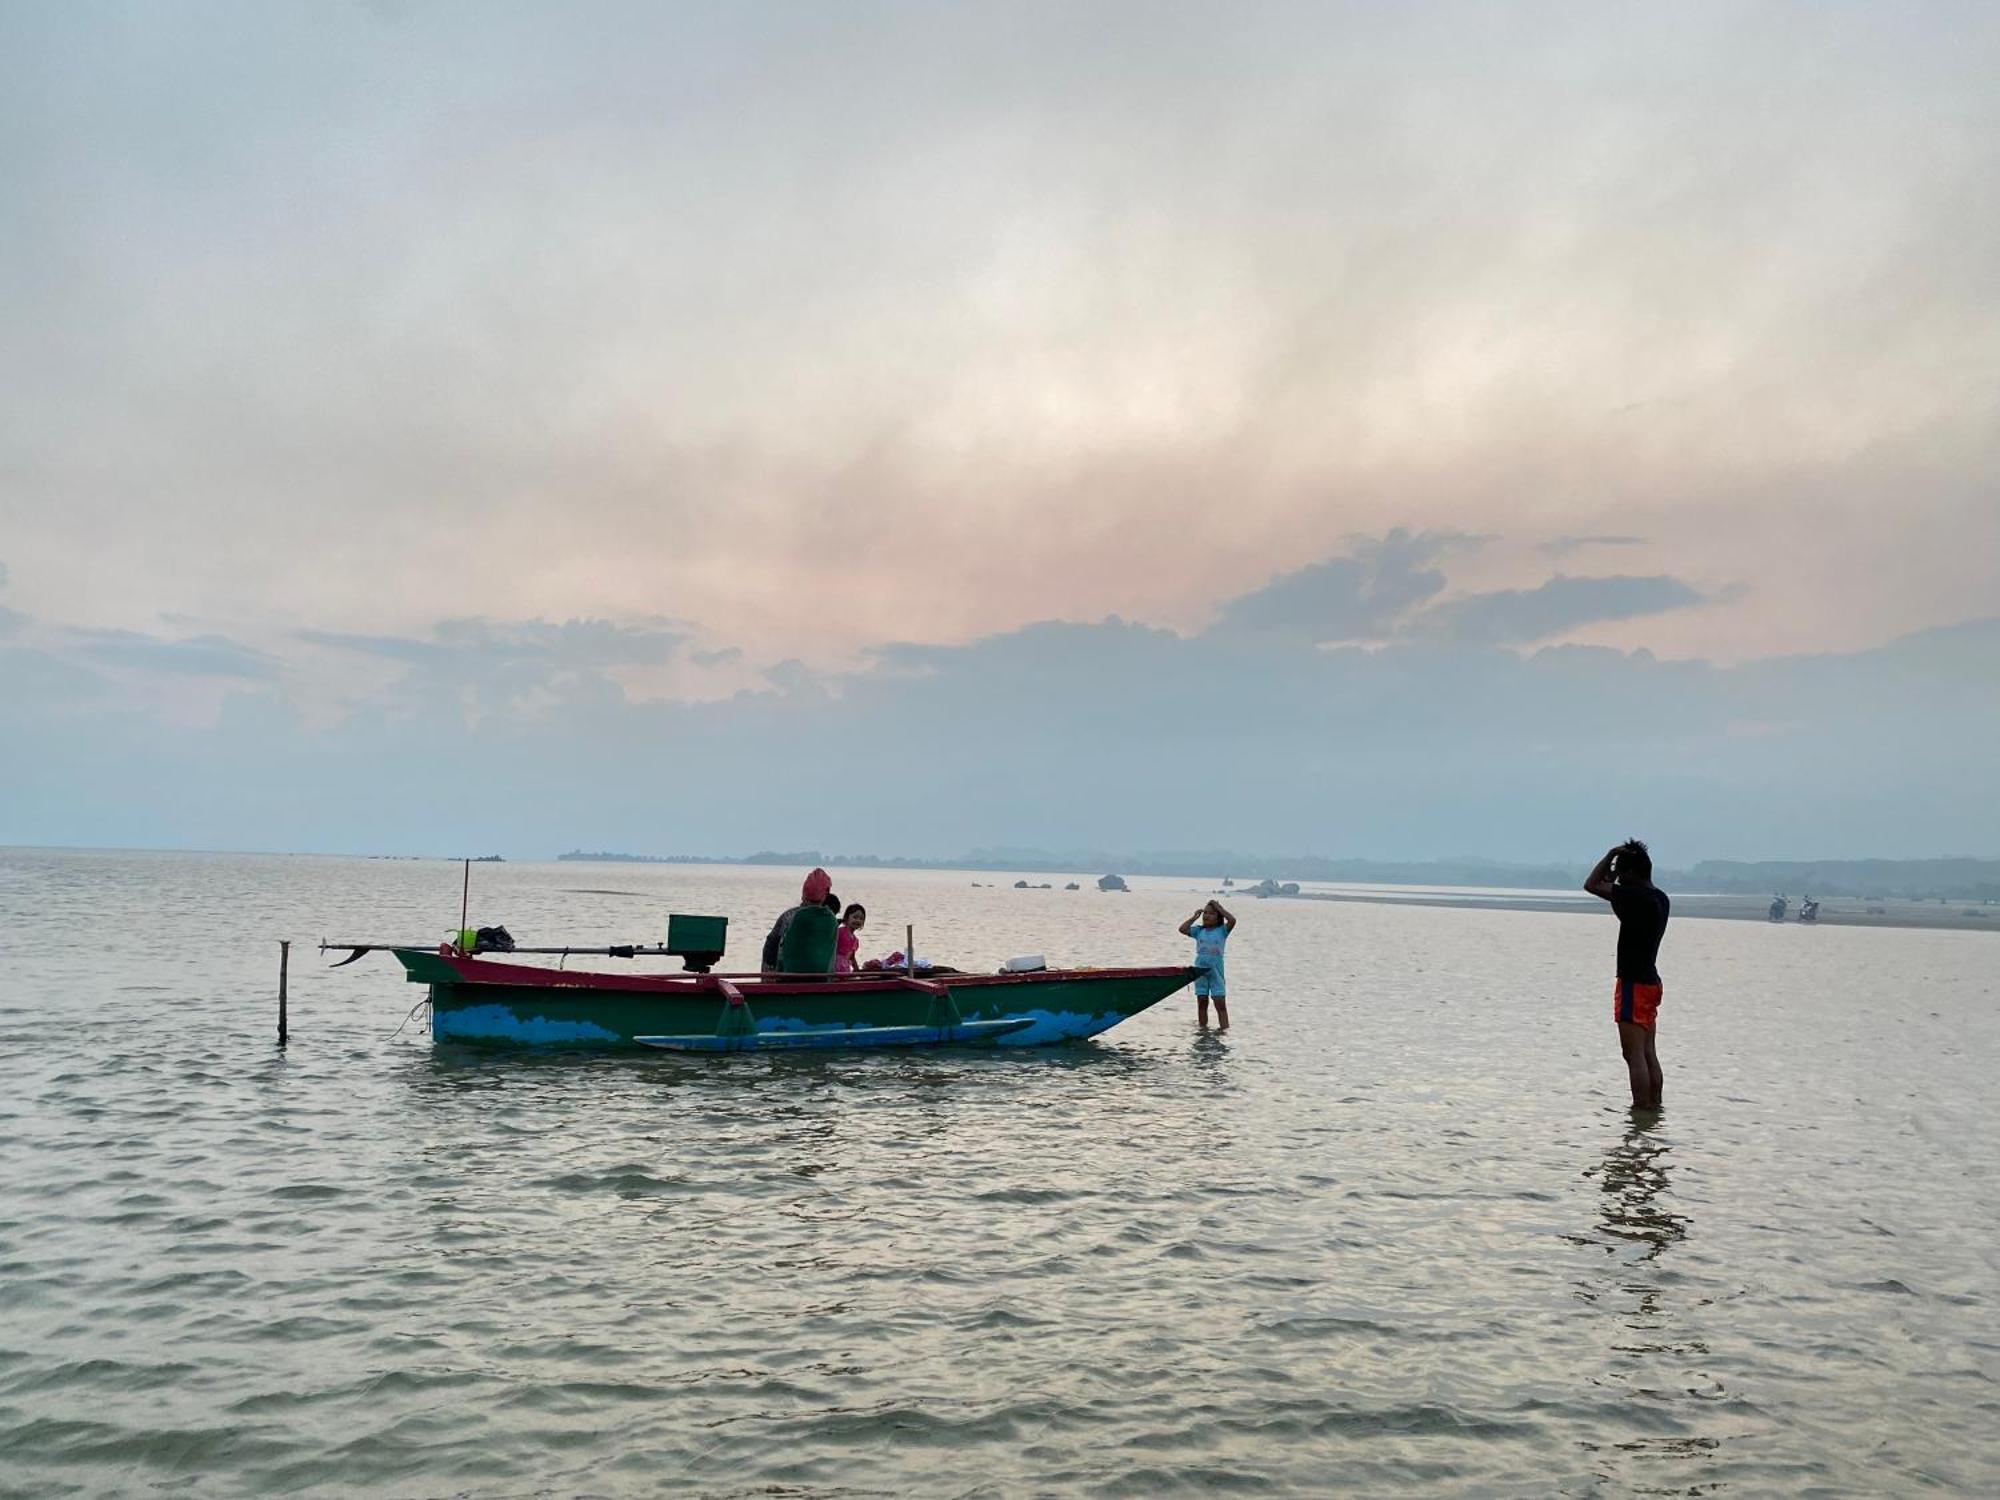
x,y
284,969
910,951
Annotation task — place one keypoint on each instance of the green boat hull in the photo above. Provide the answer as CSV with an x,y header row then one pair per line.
x,y
482,1000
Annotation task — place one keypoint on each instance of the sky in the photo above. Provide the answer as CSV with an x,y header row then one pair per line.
x,y
1399,432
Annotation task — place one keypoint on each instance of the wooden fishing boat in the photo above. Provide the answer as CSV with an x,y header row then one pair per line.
x,y
496,998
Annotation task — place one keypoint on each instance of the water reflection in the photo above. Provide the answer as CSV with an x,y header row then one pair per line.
x,y
1632,1180
808,1114
450,1068
1636,1226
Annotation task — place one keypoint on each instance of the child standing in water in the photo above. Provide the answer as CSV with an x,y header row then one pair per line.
x,y
1210,928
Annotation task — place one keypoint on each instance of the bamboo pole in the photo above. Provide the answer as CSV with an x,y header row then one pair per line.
x,y
284,969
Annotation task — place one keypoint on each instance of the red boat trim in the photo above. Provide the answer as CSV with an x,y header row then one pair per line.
x,y
475,971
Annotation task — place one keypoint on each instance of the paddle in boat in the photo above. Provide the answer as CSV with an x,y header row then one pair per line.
x,y
482,997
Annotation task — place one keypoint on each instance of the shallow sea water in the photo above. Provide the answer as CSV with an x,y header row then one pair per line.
x,y
1393,1233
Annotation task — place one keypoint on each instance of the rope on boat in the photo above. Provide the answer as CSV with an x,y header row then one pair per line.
x,y
411,1016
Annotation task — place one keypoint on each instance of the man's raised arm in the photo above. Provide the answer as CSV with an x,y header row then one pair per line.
x,y
1598,881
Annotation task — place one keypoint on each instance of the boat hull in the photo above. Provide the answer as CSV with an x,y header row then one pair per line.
x,y
485,1000
965,1034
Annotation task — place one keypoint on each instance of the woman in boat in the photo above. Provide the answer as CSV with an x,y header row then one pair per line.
x,y
1210,928
808,941
774,939
847,942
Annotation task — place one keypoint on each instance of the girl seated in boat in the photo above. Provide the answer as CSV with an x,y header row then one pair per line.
x,y
847,942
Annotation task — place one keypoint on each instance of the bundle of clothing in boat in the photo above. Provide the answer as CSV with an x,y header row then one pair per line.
x,y
900,960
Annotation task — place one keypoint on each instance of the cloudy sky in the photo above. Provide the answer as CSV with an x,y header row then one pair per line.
x,y
1378,430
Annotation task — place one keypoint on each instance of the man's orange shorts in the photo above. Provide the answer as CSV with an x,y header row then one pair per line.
x,y
1635,1002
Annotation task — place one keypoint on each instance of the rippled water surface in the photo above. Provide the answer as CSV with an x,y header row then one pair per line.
x,y
1394,1232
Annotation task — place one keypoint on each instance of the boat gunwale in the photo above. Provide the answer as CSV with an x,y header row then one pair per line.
x,y
483,971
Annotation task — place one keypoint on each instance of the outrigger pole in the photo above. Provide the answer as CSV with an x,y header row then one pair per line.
x,y
616,950
931,987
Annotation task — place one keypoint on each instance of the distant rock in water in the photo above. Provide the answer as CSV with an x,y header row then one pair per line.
x,y
1112,883
1020,885
1272,888
1072,886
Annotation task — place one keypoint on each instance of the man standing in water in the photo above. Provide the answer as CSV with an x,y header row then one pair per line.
x,y
1624,877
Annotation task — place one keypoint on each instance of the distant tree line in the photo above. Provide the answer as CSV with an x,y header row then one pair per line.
x,y
609,857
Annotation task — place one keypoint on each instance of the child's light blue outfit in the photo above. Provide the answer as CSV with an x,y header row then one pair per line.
x,y
1208,943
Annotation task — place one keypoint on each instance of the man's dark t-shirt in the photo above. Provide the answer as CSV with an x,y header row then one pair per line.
x,y
1642,922
776,936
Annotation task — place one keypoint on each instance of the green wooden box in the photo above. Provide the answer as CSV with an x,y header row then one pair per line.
x,y
697,937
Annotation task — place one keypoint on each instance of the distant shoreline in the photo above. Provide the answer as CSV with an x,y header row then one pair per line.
x,y
1956,916
1960,881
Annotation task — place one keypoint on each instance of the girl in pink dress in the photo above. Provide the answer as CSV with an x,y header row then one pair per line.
x,y
847,941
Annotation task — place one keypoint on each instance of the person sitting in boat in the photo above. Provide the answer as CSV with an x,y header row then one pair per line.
x,y
775,938
847,942
808,941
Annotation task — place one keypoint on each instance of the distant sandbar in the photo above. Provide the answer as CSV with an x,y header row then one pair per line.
x,y
1833,912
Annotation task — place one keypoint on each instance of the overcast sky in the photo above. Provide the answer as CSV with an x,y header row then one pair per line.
x,y
1388,430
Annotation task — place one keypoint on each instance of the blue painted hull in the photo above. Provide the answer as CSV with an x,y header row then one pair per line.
x,y
967,1034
